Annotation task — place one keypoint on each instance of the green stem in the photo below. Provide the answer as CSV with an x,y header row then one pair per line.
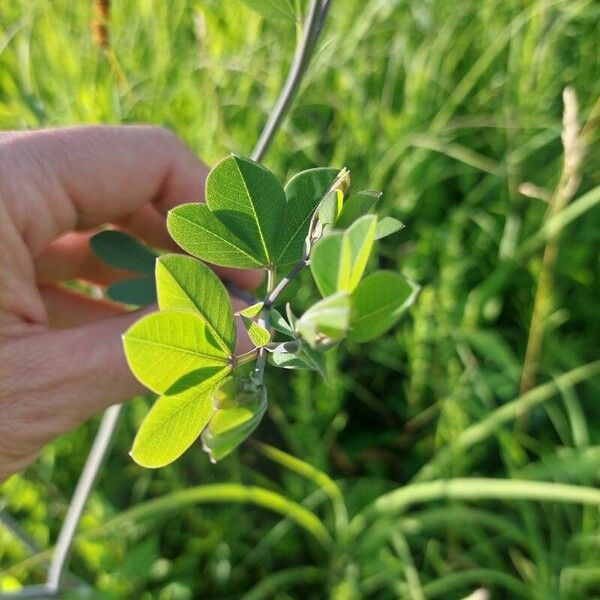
x,y
259,371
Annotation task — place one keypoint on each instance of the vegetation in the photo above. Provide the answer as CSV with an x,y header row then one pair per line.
x,y
459,451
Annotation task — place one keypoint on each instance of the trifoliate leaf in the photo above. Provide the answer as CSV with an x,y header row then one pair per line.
x,y
241,223
338,260
171,351
184,283
378,302
122,251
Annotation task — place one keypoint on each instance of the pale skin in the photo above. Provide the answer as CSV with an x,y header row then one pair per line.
x,y
61,359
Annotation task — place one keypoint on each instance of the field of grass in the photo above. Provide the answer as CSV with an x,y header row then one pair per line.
x,y
428,466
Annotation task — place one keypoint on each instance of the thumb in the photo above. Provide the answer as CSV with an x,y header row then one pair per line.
x,y
58,379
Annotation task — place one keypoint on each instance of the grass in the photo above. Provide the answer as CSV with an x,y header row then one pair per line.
x,y
448,108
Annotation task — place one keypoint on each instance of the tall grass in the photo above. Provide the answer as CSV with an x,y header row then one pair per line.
x,y
449,108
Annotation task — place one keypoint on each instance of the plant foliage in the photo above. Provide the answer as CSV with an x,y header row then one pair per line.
x,y
187,350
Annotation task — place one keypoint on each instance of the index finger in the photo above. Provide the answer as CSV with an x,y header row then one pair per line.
x,y
57,180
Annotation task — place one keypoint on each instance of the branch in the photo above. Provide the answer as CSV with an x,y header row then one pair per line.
x,y
312,28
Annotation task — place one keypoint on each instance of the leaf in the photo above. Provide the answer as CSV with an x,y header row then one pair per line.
x,y
293,347
387,226
356,206
258,334
170,351
303,192
198,231
290,360
317,360
291,317
184,283
251,311
139,292
272,9
278,323
326,322
240,408
378,302
338,260
240,224
122,251
329,206
172,426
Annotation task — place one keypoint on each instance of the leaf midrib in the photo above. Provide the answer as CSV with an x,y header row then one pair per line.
x,y
184,405
210,326
224,358
258,225
196,224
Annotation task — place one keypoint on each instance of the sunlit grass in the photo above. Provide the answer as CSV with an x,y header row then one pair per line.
x,y
448,108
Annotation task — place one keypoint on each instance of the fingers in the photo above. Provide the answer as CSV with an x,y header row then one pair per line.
x,y
70,257
63,179
61,378
67,308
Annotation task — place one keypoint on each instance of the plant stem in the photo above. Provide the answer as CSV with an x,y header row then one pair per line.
x,y
245,358
567,186
263,320
272,297
312,27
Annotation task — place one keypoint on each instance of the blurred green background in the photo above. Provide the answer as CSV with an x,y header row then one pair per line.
x,y
448,107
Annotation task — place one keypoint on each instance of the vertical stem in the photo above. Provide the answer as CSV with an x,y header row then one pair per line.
x,y
567,186
263,320
82,491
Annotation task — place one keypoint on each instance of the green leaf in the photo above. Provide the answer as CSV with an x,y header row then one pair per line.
x,y
251,311
272,9
329,207
198,231
122,251
338,260
387,226
326,322
171,427
356,206
184,283
258,334
240,225
304,192
138,292
240,408
171,351
291,317
378,302
278,322
295,355
290,360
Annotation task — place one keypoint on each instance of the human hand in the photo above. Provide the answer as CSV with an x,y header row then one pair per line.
x,y
61,359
